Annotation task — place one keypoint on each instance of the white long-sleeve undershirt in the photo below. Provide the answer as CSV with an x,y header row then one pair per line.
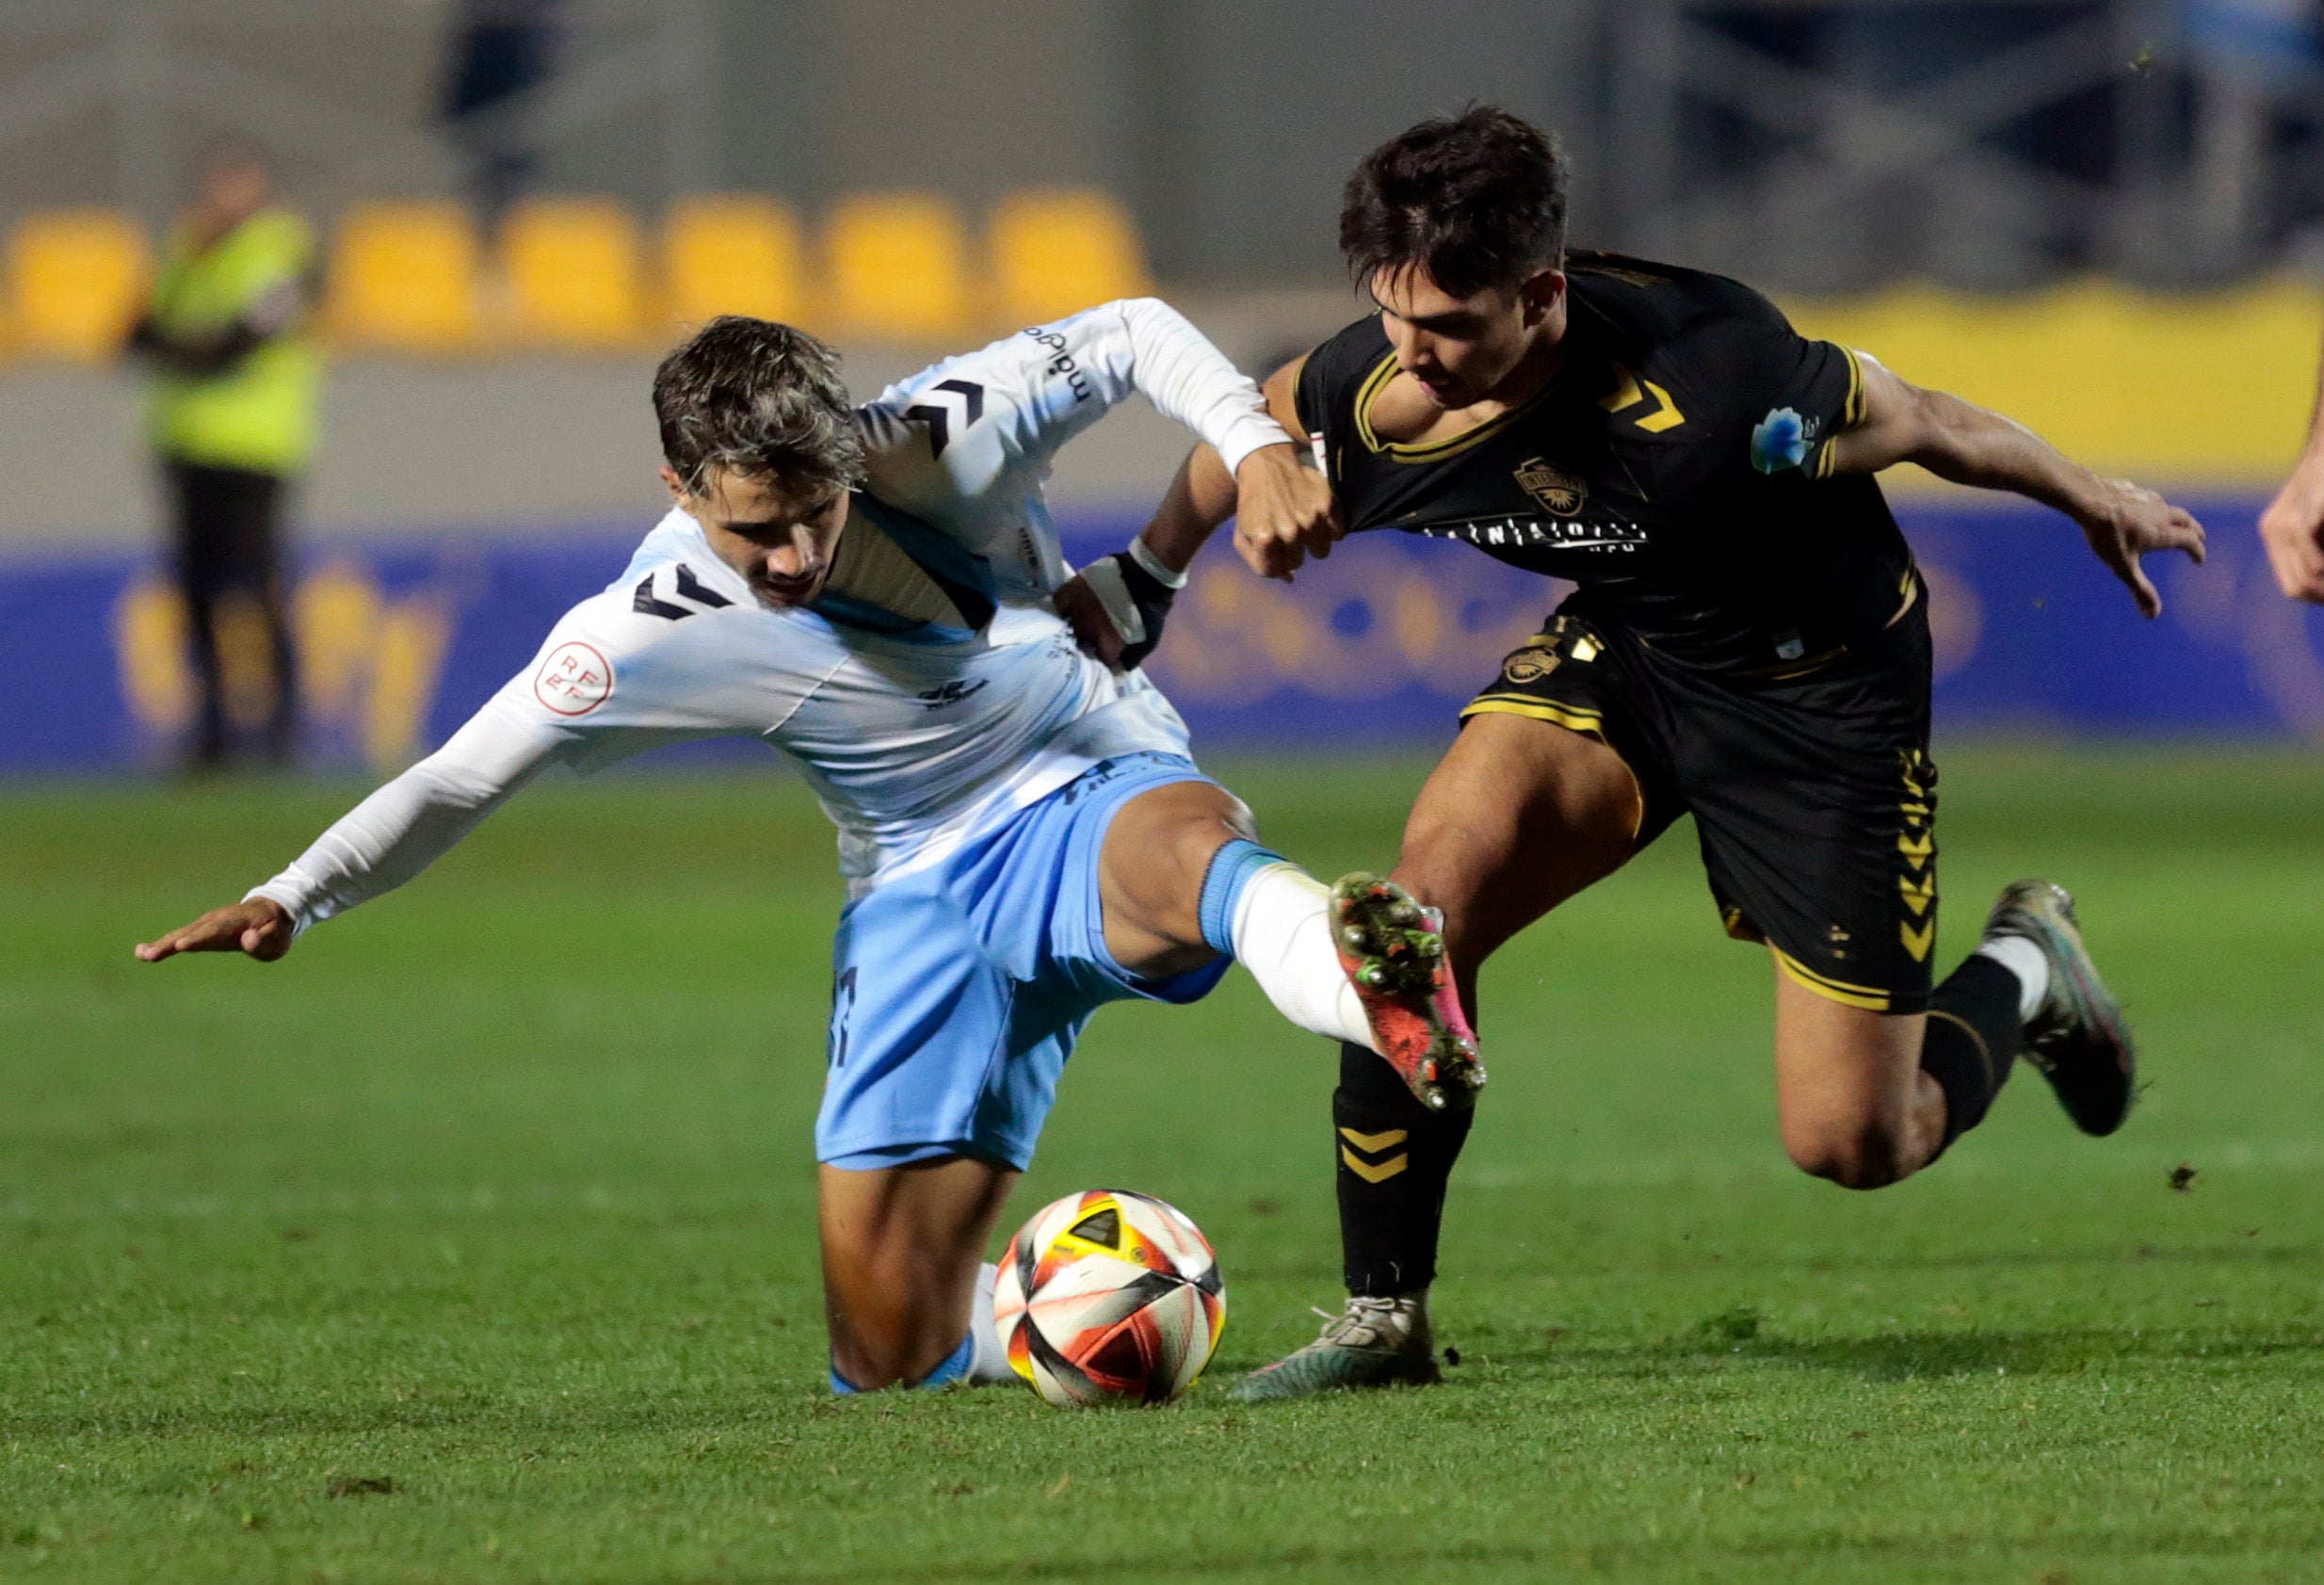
x,y
415,820
1190,379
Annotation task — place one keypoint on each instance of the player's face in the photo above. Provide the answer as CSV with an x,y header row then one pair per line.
x,y
1461,350
779,539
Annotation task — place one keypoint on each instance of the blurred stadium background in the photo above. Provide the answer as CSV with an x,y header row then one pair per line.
x,y
2102,216
475,1241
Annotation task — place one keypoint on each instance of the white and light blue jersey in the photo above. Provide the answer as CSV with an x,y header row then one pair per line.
x,y
909,740
914,734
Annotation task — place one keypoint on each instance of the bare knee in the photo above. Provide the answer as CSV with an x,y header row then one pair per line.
x,y
1157,854
1854,1151
889,1322
1856,1109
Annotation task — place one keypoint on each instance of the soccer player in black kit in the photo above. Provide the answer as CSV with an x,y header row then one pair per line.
x,y
1749,643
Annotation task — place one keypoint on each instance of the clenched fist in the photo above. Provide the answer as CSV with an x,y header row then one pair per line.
x,y
1283,511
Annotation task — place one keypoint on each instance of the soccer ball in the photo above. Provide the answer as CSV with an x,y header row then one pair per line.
x,y
1110,1297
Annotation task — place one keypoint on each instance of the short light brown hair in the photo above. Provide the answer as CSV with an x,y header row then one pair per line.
x,y
759,399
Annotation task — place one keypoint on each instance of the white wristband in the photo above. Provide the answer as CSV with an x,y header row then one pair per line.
x,y
1249,433
1151,565
1104,579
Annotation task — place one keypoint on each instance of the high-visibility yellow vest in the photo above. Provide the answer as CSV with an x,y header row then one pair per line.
x,y
260,413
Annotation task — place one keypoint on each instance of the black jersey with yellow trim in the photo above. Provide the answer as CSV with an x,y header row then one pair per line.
x,y
1678,467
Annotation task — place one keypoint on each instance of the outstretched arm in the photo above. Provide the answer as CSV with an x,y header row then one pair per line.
x,y
2292,528
1969,444
378,845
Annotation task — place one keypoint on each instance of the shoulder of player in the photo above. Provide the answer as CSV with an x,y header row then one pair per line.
x,y
1354,346
1339,365
672,632
1660,299
668,584
617,623
1684,322
1682,341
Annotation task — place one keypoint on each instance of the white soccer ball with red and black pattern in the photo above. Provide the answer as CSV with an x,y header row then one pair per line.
x,y
1110,1297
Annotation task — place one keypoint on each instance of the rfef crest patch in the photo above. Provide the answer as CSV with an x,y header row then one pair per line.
x,y
1559,492
574,680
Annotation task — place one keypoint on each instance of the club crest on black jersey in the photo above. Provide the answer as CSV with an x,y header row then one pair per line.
x,y
1677,467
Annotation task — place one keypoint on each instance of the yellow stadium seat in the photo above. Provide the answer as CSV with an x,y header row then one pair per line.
x,y
2077,364
1056,253
574,278
899,268
404,278
734,255
77,279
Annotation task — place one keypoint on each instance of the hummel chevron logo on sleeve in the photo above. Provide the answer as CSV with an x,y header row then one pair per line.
x,y
939,419
646,604
690,587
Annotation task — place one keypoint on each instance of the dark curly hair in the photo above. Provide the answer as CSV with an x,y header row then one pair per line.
x,y
756,398
1476,200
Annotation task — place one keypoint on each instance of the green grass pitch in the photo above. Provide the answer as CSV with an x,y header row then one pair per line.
x,y
474,1242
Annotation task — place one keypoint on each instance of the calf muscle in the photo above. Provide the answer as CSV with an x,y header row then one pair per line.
x,y
901,1246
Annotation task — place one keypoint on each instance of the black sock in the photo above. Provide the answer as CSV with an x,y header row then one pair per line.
x,y
1395,1158
1973,1040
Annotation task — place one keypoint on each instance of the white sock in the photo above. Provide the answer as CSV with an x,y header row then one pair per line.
x,y
987,1356
1283,935
2024,959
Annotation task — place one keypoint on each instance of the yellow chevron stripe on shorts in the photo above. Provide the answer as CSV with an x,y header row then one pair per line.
x,y
1871,998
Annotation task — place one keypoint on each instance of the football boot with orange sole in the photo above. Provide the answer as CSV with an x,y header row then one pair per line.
x,y
1392,948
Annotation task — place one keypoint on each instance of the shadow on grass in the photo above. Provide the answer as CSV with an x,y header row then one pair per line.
x,y
1720,1345
1899,1356
2227,1251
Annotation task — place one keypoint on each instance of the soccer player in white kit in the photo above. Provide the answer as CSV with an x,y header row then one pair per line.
x,y
1024,834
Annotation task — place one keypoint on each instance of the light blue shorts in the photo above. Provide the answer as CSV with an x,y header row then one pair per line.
x,y
958,992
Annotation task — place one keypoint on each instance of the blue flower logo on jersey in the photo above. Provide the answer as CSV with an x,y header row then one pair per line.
x,y
1780,442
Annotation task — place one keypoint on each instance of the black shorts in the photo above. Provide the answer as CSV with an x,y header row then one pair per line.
x,y
1813,796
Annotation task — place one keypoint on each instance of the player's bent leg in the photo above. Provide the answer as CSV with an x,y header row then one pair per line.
x,y
1519,816
901,1251
1157,853
1182,883
1854,1111
1853,1100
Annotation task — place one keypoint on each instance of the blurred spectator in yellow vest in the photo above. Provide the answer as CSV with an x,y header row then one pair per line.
x,y
231,413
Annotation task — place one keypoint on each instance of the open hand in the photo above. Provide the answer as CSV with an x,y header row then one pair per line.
x,y
1283,511
259,927
2292,528
2129,521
